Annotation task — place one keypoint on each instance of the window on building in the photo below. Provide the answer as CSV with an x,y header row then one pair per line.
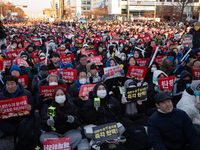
x,y
84,2
88,8
196,1
176,0
84,8
88,2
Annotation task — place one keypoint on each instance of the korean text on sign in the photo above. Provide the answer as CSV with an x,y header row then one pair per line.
x,y
111,71
56,144
85,89
105,132
48,90
136,71
166,83
14,107
136,93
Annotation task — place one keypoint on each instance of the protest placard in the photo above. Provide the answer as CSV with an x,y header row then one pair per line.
x,y
105,132
136,93
14,107
84,91
47,90
137,72
57,143
166,83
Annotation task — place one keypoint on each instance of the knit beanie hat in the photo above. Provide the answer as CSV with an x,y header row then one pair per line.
x,y
194,85
68,65
93,66
15,67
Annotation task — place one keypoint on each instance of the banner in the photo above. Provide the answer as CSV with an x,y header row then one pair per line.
x,y
7,62
166,83
112,72
196,73
88,52
137,72
91,46
78,45
47,90
136,93
146,38
14,107
35,59
20,49
96,59
66,59
38,42
57,143
12,54
42,61
1,65
84,91
21,62
105,132
142,62
26,44
59,51
187,40
23,80
159,59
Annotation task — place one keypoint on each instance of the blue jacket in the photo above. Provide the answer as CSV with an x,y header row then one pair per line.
x,y
172,131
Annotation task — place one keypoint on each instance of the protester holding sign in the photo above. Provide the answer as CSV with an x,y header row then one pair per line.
x,y
149,75
92,74
107,111
153,89
55,59
190,103
14,89
65,121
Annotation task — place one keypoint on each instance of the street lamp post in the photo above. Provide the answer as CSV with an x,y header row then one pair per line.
x,y
139,3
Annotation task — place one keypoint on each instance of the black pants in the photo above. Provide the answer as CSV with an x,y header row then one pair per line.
x,y
138,119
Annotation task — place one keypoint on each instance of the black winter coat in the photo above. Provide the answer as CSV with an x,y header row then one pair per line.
x,y
196,37
172,131
108,112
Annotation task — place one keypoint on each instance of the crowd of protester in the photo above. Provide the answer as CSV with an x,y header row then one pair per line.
x,y
170,117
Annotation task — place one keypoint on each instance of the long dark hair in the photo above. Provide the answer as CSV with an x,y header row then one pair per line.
x,y
68,108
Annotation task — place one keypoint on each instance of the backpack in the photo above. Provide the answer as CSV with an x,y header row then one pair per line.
x,y
26,135
136,138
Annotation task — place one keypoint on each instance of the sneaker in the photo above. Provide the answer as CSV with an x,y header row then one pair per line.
x,y
1,134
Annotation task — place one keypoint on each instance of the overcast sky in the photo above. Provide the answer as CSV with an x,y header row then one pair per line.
x,y
34,6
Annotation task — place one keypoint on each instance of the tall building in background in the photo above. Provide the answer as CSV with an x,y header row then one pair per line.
x,y
54,4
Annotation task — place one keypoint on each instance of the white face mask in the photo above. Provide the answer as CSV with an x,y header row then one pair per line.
x,y
121,45
53,83
60,99
153,69
123,58
82,81
101,93
25,58
42,58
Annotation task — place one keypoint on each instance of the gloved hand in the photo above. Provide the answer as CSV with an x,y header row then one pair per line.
x,y
50,122
70,119
104,77
197,105
121,71
157,88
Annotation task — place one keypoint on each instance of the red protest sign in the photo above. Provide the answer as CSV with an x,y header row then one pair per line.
x,y
23,80
57,143
7,62
20,49
12,54
60,51
142,62
66,59
88,52
37,42
60,40
21,62
48,90
69,75
18,39
1,65
42,61
166,83
96,59
196,73
26,44
146,38
84,91
113,33
136,71
14,107
34,53
111,71
159,59
79,40
35,59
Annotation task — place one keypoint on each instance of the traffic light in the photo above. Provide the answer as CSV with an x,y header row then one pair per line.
x,y
57,6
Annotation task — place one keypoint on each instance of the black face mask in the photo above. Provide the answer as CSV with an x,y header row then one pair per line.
x,y
44,74
186,82
159,54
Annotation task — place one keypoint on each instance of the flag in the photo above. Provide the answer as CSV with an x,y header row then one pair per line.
x,y
102,6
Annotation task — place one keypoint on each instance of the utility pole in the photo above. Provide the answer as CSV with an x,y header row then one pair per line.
x,y
155,12
162,9
128,10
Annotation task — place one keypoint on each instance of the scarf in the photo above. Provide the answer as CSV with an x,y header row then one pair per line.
x,y
79,85
16,92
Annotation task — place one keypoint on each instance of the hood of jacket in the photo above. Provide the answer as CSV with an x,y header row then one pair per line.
x,y
157,73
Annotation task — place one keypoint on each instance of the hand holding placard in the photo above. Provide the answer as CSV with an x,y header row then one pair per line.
x,y
51,113
96,103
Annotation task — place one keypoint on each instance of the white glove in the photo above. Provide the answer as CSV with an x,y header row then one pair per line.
x,y
70,119
50,122
197,105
